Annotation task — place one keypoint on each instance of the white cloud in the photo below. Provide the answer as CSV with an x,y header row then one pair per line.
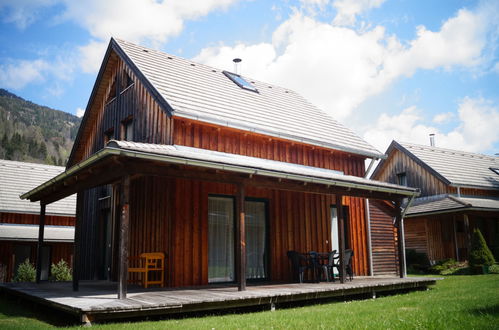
x,y
22,13
477,130
18,74
80,112
91,55
337,68
348,9
443,117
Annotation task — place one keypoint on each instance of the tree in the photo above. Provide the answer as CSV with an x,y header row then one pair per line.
x,y
480,254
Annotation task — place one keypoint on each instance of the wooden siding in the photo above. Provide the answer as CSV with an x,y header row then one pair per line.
x,y
150,122
417,176
33,219
383,242
415,235
297,222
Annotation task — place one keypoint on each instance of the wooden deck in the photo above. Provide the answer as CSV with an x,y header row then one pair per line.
x,y
97,300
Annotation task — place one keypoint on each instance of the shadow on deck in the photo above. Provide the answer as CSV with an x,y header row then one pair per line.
x,y
97,300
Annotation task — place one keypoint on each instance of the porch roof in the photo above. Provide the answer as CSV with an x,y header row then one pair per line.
x,y
130,158
449,203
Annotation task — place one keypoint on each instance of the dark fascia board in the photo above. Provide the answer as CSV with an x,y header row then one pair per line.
x,y
396,145
114,46
147,84
90,102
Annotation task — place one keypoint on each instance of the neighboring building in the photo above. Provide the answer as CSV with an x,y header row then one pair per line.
x,y
459,192
222,173
19,219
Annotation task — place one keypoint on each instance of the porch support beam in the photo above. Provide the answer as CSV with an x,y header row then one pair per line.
x,y
341,236
41,231
240,239
124,234
77,242
401,240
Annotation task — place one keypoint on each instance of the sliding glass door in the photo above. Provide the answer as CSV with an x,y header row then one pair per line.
x,y
221,239
221,242
256,240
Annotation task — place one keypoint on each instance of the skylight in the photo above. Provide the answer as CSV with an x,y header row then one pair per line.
x,y
495,170
240,81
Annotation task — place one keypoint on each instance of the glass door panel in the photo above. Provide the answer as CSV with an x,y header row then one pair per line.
x,y
256,240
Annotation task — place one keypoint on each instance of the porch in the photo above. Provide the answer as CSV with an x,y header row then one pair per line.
x,y
96,300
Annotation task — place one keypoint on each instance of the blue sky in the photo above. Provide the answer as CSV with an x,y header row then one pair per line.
x,y
388,69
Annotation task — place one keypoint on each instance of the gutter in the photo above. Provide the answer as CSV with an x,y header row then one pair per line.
x,y
368,224
402,233
112,151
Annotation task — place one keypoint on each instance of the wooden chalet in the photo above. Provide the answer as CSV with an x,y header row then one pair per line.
x,y
222,173
19,220
459,192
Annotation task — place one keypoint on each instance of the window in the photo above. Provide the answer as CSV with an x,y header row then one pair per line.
x,y
402,179
495,170
127,129
112,92
240,81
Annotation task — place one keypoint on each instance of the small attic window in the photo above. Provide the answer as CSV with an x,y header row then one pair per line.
x,y
495,170
240,81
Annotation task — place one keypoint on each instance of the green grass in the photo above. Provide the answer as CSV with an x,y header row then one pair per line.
x,y
458,302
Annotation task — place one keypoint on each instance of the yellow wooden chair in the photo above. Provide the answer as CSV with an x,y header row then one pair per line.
x,y
146,263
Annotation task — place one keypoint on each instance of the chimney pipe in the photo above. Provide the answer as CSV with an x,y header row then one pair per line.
x,y
237,65
432,139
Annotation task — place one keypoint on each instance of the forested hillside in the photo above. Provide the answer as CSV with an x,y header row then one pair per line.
x,y
33,133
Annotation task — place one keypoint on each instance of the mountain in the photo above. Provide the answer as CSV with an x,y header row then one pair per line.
x,y
34,133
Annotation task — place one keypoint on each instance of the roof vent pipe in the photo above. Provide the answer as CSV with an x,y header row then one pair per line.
x,y
432,139
237,65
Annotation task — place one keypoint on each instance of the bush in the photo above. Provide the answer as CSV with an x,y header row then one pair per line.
x,y
480,254
26,272
494,269
61,271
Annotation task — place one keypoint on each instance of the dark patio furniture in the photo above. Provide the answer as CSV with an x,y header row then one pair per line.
x,y
299,265
329,266
315,265
348,263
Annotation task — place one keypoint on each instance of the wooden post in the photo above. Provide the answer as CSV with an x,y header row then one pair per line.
x,y
456,247
467,231
341,236
77,241
400,234
124,224
41,231
240,239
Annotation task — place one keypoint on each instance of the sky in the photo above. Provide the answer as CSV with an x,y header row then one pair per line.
x,y
387,69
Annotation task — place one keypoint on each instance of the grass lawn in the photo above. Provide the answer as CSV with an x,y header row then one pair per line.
x,y
458,302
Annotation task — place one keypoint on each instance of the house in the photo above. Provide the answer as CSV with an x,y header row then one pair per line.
x,y
222,173
19,220
459,192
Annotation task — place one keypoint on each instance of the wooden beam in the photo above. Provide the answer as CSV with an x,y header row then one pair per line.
x,y
400,236
124,233
41,231
341,236
77,241
240,239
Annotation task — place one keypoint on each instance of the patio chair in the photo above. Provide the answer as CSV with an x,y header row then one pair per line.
x,y
314,265
348,263
146,263
329,267
298,265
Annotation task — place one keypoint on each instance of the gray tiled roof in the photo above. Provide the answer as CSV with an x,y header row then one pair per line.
x,y
204,93
16,178
262,166
449,203
15,232
458,167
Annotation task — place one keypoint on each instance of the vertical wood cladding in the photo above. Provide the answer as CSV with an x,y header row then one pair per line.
x,y
171,216
415,235
151,124
417,176
383,242
33,219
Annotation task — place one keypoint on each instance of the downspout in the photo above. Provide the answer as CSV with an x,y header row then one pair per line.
x,y
368,224
402,233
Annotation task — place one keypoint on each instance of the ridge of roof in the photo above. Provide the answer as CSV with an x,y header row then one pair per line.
x,y
209,98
